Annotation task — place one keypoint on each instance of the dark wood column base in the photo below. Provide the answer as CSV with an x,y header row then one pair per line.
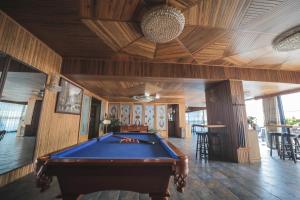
x,y
71,197
159,196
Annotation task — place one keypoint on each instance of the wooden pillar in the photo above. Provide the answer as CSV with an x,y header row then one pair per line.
x,y
226,105
271,115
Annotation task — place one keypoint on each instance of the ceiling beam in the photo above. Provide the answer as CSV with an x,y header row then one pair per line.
x,y
277,94
111,68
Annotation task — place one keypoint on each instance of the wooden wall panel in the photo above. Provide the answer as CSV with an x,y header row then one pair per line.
x,y
20,44
225,105
55,130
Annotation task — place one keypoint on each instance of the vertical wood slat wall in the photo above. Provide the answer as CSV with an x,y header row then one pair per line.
x,y
55,130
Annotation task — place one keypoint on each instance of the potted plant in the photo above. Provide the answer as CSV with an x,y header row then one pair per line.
x,y
114,125
252,122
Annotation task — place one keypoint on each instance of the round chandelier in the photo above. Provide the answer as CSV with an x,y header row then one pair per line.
x,y
146,98
288,40
162,24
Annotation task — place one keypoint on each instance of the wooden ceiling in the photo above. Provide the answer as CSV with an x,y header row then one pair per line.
x,y
123,88
234,33
190,91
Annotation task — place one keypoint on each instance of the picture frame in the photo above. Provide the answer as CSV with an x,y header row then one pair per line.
x,y
69,99
85,114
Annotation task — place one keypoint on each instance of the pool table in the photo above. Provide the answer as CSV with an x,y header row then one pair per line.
x,y
106,164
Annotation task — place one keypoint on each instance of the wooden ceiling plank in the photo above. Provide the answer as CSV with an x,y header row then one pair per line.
x,y
182,4
115,34
214,50
100,33
200,37
217,13
144,69
108,9
141,47
171,50
259,8
254,24
282,16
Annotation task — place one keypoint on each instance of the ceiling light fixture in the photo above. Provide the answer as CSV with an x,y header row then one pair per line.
x,y
146,98
162,24
288,40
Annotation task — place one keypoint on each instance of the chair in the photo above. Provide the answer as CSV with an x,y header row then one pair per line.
x,y
202,145
2,133
297,147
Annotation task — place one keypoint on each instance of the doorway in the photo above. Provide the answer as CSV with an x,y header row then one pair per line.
x,y
95,115
173,121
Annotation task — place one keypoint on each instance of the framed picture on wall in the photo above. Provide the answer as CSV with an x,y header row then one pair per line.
x,y
69,98
113,110
161,117
137,114
85,115
125,110
149,116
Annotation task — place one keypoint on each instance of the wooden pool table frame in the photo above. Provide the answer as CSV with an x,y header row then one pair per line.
x,y
82,176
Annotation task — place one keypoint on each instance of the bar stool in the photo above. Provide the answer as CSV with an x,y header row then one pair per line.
x,y
202,145
274,138
287,147
193,129
2,133
297,147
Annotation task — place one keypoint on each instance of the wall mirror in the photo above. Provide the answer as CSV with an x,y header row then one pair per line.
x,y
21,95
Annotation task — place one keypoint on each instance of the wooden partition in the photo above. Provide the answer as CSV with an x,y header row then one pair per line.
x,y
55,130
225,105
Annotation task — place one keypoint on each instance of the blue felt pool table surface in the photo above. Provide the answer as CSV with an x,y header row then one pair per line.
x,y
109,147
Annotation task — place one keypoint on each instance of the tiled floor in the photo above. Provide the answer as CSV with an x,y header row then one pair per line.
x,y
271,179
15,151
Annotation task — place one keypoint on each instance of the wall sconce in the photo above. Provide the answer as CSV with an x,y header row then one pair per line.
x,y
54,86
106,122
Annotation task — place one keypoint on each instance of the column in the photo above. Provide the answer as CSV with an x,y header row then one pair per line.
x,y
271,115
226,105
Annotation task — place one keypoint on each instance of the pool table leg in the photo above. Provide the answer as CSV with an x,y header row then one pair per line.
x,y
160,196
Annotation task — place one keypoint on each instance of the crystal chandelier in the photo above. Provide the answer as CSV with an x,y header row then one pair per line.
x,y
288,40
162,24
